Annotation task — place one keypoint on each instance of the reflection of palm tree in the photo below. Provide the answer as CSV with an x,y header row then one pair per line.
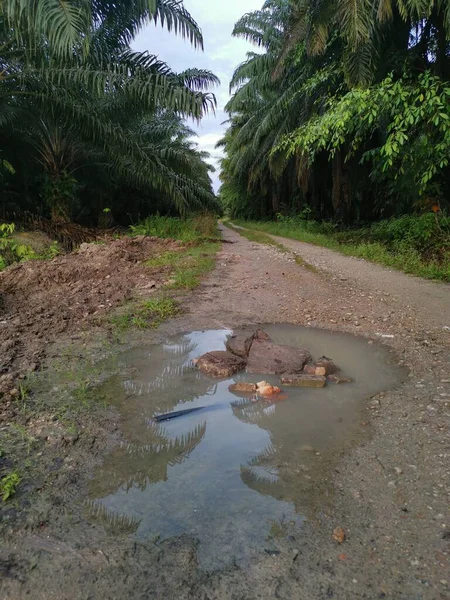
x,y
183,348
249,411
261,474
175,366
165,378
268,486
140,465
117,523
285,471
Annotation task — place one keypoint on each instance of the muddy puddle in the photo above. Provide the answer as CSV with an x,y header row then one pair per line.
x,y
238,475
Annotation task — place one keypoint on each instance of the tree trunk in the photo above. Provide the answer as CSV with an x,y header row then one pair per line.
x,y
341,193
275,202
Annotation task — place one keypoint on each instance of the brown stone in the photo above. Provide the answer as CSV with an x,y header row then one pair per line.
x,y
239,345
220,363
318,368
339,535
327,364
333,378
265,357
261,335
304,380
243,388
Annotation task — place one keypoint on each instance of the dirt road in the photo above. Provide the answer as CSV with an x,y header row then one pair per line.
x,y
391,494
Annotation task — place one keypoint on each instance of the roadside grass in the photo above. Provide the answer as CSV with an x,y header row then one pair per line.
x,y
146,314
188,266
9,484
192,229
403,257
192,264
57,401
166,259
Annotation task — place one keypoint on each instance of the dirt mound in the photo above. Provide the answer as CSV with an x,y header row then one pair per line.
x,y
39,300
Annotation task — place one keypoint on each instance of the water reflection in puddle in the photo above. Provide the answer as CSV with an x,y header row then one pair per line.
x,y
237,474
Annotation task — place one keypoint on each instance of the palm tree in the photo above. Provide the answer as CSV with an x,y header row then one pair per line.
x,y
69,78
269,103
374,33
345,111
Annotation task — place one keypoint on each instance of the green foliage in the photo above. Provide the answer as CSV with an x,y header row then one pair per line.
x,y
58,192
51,252
187,264
415,116
166,259
9,484
427,234
10,250
149,313
414,244
345,111
192,265
192,229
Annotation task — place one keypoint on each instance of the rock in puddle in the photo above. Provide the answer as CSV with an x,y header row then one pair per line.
x,y
261,335
262,388
322,367
274,359
327,364
304,380
243,388
239,345
220,363
258,354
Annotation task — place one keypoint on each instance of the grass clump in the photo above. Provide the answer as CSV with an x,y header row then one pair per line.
x,y
192,229
9,484
166,259
149,313
419,245
192,265
254,235
187,264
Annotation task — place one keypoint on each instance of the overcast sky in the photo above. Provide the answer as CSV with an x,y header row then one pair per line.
x,y
221,55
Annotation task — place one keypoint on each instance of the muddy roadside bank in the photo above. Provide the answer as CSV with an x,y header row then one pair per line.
x,y
390,493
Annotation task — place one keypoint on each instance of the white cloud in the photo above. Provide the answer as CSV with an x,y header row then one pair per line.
x,y
222,54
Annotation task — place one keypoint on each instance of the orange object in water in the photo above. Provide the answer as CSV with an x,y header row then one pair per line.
x,y
268,390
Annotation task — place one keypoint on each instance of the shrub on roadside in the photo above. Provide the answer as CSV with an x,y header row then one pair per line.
x,y
10,250
191,229
417,244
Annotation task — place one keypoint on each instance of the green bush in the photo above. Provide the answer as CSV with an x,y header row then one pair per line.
x,y
10,250
427,234
417,244
191,229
